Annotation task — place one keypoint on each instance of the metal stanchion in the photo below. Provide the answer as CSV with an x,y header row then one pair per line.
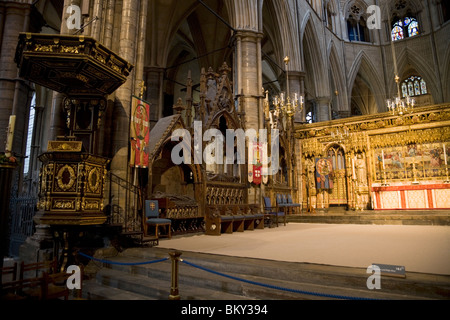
x,y
174,292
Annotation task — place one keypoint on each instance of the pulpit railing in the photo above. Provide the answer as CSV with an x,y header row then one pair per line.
x,y
124,207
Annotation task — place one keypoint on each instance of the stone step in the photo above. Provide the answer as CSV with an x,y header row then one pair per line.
x,y
380,219
113,284
93,290
435,286
153,280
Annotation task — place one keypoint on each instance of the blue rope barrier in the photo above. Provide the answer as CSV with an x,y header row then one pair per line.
x,y
274,287
122,263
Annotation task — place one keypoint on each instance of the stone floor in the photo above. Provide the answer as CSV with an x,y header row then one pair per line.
x,y
420,248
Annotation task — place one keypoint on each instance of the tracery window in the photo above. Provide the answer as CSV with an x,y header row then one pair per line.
x,y
414,86
404,28
356,24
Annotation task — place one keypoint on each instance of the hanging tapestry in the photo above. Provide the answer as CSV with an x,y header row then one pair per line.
x,y
139,133
324,169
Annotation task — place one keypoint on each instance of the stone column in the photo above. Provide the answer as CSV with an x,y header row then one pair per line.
x,y
154,81
13,91
108,27
323,109
297,85
249,86
248,76
127,50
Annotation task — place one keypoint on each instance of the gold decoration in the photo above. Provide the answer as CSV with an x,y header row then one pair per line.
x,y
61,178
65,146
94,180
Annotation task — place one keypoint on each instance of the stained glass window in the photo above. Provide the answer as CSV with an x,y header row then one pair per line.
x,y
424,87
397,33
404,90
410,89
413,28
414,86
417,88
406,27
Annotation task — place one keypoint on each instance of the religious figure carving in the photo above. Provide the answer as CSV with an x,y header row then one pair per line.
x,y
310,174
361,172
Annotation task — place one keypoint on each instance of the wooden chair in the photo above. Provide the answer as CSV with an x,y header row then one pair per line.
x,y
44,266
50,287
153,219
10,271
292,204
54,286
273,211
16,290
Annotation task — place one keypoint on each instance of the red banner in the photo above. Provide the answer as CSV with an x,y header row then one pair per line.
x,y
139,133
257,176
256,163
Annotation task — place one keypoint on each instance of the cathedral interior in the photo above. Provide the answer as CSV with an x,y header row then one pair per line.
x,y
96,97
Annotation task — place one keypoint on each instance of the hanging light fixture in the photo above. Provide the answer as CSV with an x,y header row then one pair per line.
x,y
284,106
398,105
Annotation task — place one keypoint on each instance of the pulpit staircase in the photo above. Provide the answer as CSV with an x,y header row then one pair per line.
x,y
124,209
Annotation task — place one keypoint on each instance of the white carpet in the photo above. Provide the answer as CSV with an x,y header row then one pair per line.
x,y
424,249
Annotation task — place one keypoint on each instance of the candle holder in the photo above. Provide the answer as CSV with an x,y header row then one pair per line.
x,y
384,184
414,171
447,180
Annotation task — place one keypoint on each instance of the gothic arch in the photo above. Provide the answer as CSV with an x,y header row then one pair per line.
x,y
285,32
406,58
338,77
400,7
347,8
446,76
314,61
244,14
364,70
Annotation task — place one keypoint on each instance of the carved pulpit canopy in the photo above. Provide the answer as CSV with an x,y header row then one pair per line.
x,y
72,65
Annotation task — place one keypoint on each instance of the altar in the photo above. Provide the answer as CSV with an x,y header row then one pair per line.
x,y
426,196
381,162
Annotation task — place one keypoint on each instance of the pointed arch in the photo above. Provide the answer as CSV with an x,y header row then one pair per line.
x,y
446,76
314,61
364,70
338,78
406,59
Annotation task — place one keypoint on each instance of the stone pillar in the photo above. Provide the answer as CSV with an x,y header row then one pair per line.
x,y
109,23
249,86
297,85
96,27
13,91
323,109
154,81
127,50
248,70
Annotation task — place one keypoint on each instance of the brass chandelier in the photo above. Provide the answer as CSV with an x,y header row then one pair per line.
x,y
284,106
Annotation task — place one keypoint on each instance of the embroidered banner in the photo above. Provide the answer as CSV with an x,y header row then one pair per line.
x,y
324,169
139,132
254,162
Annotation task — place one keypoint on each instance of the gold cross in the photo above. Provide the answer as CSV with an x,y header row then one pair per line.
x,y
143,88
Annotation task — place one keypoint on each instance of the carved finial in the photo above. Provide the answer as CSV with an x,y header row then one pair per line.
x,y
203,81
225,69
179,107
